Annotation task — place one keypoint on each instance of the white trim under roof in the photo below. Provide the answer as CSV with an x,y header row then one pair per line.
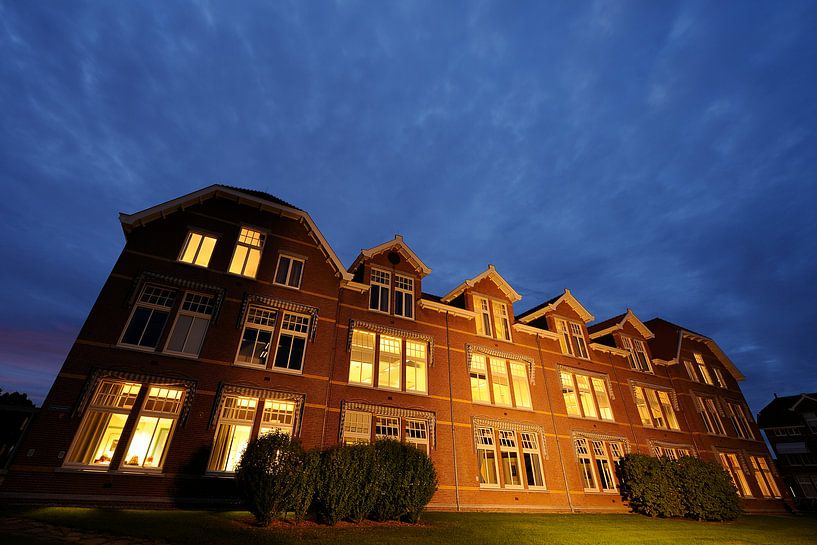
x,y
566,297
395,244
139,219
441,307
491,273
633,319
522,328
713,346
610,349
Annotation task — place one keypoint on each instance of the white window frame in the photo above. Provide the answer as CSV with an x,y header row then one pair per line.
x,y
731,463
594,382
484,325
693,374
708,409
416,358
636,348
703,368
478,375
407,359
196,314
202,242
404,291
530,438
296,326
719,379
502,322
508,446
164,413
380,281
486,442
246,239
415,433
595,455
275,315
243,404
571,338
737,414
269,412
289,268
357,427
153,307
653,406
764,476
359,359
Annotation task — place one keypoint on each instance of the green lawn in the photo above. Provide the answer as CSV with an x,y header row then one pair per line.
x,y
205,527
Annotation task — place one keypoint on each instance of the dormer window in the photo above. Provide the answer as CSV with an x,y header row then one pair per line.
x,y
571,338
379,290
699,359
247,252
492,318
639,360
403,296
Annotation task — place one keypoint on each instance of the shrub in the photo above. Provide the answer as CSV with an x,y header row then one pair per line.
x,y
419,483
686,487
304,486
338,486
647,484
266,474
706,489
408,482
369,480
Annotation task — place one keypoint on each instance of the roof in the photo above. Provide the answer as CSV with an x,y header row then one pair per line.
x,y
550,306
490,273
394,245
661,343
252,197
785,410
616,323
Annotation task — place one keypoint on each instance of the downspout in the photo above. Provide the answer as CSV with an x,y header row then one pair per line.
x,y
626,412
672,382
555,431
451,409
331,368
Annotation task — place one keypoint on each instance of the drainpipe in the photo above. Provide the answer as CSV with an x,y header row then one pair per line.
x,y
626,412
451,408
555,431
672,382
331,368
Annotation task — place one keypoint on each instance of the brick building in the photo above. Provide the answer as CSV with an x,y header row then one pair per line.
x,y
790,425
228,314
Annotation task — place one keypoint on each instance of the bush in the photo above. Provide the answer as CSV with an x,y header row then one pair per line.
x,y
408,482
707,490
686,487
369,481
339,486
304,486
647,484
266,474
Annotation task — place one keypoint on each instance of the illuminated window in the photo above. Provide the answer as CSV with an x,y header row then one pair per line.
x,y
101,428
691,371
197,249
361,362
403,296
289,271
256,339
357,427
732,466
737,415
586,395
671,452
501,320
396,357
638,354
509,454
191,324
493,319
379,290
718,377
532,458
709,414
571,338
508,379
149,316
148,445
655,408
699,359
483,310
277,416
596,460
387,427
292,342
486,457
236,417
509,459
417,434
763,476
247,253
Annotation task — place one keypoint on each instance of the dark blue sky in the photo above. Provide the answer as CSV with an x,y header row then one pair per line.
x,y
655,155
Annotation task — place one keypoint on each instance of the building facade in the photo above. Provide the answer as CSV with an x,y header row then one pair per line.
x,y
790,425
228,315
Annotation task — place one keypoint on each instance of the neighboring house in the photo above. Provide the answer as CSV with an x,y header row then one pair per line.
x,y
228,314
15,419
790,425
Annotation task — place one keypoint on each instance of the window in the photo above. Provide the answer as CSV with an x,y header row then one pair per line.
x,y
237,416
100,434
571,338
699,359
508,379
671,452
247,254
638,354
150,313
764,477
808,485
156,423
730,463
101,428
191,324
357,428
501,320
718,377
800,459
379,290
655,408
811,421
289,271
740,422
709,414
586,395
596,460
387,427
691,371
787,431
417,434
483,310
292,342
519,458
403,296
197,249
396,358
259,330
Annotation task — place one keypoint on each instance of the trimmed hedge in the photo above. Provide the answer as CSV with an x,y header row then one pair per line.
x,y
386,480
688,487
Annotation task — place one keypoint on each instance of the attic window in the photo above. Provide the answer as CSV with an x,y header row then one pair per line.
x,y
247,253
197,249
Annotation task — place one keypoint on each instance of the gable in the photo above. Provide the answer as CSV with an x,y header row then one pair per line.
x,y
396,246
628,323
491,274
553,305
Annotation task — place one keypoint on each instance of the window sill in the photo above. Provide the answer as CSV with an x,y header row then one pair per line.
x,y
136,348
193,264
391,390
287,286
99,470
592,419
139,472
181,355
220,474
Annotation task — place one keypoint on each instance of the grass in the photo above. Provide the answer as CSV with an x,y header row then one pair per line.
x,y
208,527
